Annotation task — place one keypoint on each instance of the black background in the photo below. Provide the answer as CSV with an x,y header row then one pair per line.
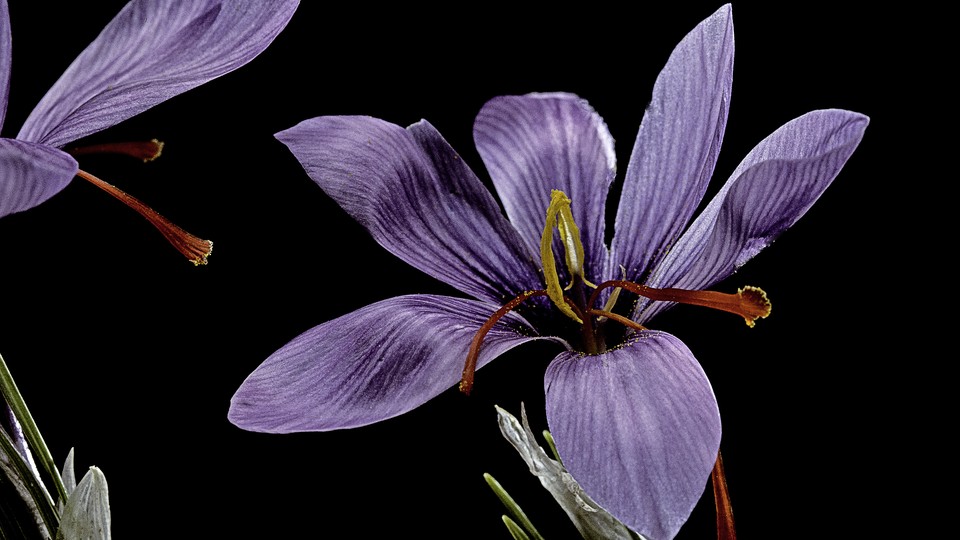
x,y
130,354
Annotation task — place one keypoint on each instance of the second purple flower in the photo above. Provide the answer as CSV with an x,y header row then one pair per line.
x,y
633,414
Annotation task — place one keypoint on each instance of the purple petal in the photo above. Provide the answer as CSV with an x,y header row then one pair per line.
x,y
150,52
638,427
30,174
375,363
677,146
768,192
539,142
418,200
4,59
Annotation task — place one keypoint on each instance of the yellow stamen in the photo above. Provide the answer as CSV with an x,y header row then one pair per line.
x,y
560,217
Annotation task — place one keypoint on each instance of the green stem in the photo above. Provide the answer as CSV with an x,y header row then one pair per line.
x,y
15,401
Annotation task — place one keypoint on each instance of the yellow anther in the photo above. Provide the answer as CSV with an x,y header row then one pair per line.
x,y
560,217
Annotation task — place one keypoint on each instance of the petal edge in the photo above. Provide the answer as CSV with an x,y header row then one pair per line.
x,y
150,52
30,174
772,188
376,363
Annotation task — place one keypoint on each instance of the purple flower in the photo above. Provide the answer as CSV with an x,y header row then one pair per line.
x,y
150,52
633,414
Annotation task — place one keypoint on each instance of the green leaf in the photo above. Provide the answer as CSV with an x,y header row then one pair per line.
x,y
14,400
515,531
512,506
26,510
553,446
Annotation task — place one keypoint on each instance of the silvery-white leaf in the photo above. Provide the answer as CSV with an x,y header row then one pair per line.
x,y
87,514
593,522
69,480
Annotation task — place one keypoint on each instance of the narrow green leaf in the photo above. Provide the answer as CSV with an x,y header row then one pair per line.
x,y
18,517
515,531
553,446
512,506
30,431
26,510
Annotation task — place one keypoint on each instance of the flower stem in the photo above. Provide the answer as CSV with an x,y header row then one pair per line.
x,y
591,344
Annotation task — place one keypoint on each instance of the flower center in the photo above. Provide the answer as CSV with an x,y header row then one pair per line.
x,y
195,249
751,303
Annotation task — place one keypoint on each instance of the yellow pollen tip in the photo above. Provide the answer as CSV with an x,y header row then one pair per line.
x,y
201,258
159,150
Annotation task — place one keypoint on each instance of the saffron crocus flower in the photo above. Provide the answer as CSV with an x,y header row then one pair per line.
x,y
150,52
634,417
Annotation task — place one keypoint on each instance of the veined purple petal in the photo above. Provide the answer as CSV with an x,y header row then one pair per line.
x,y
4,59
375,363
638,427
768,192
418,200
677,146
30,174
540,142
150,52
